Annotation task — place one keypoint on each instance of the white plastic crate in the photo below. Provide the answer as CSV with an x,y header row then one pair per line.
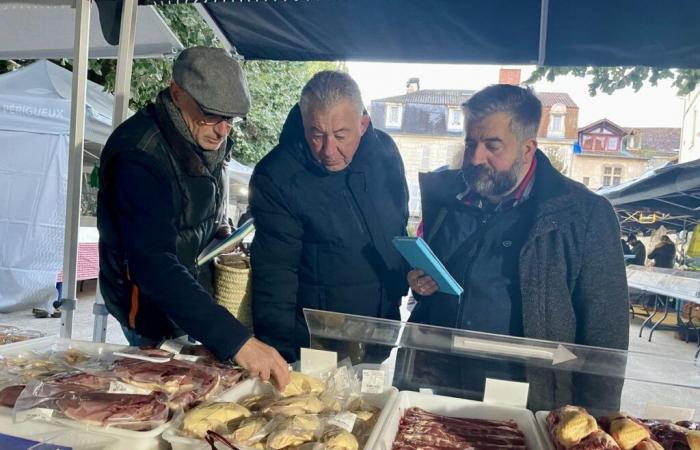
x,y
455,407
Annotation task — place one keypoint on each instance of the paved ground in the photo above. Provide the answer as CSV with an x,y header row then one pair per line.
x,y
672,360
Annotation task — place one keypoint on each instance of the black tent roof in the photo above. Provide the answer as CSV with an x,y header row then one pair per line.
x,y
550,32
580,33
672,193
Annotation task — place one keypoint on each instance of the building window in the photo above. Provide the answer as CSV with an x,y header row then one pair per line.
x,y
394,114
612,176
455,119
587,181
425,159
601,143
556,120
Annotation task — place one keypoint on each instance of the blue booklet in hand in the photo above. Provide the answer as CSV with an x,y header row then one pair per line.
x,y
420,256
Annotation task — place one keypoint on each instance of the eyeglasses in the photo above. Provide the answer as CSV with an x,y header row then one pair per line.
x,y
215,120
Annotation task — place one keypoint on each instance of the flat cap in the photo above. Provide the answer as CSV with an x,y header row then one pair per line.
x,y
214,79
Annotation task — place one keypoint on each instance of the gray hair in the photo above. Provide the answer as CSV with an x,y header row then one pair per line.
x,y
524,107
329,87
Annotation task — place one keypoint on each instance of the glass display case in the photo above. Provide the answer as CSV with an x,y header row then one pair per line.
x,y
457,363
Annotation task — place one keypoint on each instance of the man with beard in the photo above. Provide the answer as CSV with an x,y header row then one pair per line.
x,y
538,255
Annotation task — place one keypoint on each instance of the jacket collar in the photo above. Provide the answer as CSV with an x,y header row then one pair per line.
x,y
293,135
180,148
551,194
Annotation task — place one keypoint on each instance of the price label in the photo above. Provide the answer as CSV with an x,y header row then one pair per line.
x,y
372,381
118,387
345,420
172,346
511,393
315,361
183,357
672,413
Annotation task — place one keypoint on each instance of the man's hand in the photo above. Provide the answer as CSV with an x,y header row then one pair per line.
x,y
263,361
421,284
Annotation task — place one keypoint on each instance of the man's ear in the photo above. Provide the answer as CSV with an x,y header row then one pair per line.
x,y
364,124
176,93
530,149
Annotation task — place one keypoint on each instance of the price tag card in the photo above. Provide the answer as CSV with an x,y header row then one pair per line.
x,y
372,381
344,420
172,346
314,361
118,387
183,357
511,393
672,413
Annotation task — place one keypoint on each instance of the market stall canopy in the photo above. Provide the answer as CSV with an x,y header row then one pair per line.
x,y
550,32
37,97
668,196
45,29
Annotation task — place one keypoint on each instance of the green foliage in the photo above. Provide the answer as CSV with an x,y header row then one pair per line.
x,y
610,79
274,89
274,85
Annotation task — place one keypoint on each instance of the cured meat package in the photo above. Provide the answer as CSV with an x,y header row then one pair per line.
x,y
127,388
428,422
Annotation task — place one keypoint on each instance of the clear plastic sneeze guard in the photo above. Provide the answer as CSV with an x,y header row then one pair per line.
x,y
457,363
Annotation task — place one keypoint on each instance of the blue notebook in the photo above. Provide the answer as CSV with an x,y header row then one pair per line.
x,y
420,256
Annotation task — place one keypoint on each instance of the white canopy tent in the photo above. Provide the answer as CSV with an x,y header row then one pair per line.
x,y
32,30
80,21
34,128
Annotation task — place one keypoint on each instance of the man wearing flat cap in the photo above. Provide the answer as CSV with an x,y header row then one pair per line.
x,y
161,201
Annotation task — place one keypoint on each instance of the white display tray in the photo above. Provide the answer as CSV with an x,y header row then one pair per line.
x,y
456,407
541,418
253,387
125,439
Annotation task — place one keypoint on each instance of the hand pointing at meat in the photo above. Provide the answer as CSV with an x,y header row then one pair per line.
x,y
263,361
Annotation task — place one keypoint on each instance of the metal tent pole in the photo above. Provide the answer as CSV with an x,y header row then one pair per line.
x,y
75,163
122,91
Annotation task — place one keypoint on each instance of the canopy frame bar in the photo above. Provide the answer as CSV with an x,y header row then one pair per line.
x,y
75,163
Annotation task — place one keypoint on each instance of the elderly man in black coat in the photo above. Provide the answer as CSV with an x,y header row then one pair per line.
x,y
538,255
326,201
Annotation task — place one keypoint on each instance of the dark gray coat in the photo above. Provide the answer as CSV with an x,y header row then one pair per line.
x,y
572,272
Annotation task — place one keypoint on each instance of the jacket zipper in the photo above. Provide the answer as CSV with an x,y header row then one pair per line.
x,y
467,273
353,212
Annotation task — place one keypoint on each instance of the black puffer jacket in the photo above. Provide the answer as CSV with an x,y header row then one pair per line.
x,y
323,239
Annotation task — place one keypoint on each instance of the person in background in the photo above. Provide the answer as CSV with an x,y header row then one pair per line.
x,y
664,254
638,250
326,201
161,202
626,250
537,254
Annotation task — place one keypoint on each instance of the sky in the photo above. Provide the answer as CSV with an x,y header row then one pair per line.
x,y
650,107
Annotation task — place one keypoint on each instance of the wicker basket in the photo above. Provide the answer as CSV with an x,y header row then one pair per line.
x,y
232,289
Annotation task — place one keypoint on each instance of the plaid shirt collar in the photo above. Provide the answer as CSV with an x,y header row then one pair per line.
x,y
522,193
